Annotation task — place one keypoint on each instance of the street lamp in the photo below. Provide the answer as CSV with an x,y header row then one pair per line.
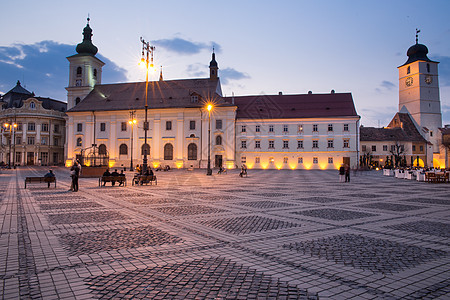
x,y
209,107
132,122
12,128
147,51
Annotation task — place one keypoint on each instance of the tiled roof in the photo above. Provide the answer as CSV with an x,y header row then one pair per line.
x,y
161,94
294,106
401,128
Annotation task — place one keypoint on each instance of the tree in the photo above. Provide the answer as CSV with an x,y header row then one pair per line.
x,y
397,150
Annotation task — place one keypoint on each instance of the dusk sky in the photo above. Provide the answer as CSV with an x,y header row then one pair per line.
x,y
262,47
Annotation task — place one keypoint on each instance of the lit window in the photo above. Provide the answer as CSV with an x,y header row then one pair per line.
x,y
347,144
300,160
330,160
256,160
300,128
330,144
257,144
315,144
258,128
244,144
345,127
315,127
285,144
330,127
168,125
299,144
315,160
271,144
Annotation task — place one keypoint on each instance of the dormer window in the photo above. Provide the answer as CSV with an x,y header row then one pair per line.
x,y
79,71
194,98
32,105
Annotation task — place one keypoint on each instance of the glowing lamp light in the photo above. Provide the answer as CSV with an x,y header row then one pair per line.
x,y
69,163
278,166
87,163
132,122
264,165
307,165
179,164
155,164
229,165
111,163
209,107
292,166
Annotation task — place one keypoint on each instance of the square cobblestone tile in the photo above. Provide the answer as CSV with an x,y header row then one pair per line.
x,y
189,210
265,204
391,206
424,227
87,217
70,205
334,214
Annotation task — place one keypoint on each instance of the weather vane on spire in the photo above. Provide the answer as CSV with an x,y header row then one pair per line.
x,y
417,35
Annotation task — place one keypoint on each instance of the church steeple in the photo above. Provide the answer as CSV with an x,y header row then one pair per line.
x,y
161,75
213,67
86,47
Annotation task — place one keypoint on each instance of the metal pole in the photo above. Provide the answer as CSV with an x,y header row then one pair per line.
x,y
10,141
209,171
132,126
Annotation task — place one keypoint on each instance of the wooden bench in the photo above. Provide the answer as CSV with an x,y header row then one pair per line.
x,y
430,177
105,179
40,180
141,179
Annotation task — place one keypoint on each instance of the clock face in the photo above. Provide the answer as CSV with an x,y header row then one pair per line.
x,y
409,81
428,79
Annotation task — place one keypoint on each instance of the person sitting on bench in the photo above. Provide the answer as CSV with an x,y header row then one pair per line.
x,y
115,173
122,175
50,174
106,173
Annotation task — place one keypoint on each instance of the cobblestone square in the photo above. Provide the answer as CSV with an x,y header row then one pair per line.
x,y
273,235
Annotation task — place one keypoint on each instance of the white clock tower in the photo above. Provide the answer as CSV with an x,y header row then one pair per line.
x,y
419,92
85,70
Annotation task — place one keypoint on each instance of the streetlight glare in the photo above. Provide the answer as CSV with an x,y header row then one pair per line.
x,y
209,107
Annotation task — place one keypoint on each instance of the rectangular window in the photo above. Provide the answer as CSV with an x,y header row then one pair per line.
x,y
56,128
330,160
315,160
31,127
79,127
102,126
243,159
258,128
123,126
285,128
392,148
271,144
257,144
257,160
285,144
300,128
421,148
414,148
192,125
18,140
330,127
330,144
363,147
431,133
44,127
243,128
244,144
194,98
300,160
315,144
299,144
285,160
374,148
44,140
218,124
345,127
19,127
168,125
385,148
56,141
347,144
30,140
315,128
270,128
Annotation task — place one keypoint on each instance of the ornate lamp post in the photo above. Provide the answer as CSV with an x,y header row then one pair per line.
x,y
209,107
132,122
12,126
147,51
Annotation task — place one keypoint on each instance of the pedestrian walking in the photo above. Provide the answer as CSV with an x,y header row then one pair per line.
x,y
341,173
75,173
347,173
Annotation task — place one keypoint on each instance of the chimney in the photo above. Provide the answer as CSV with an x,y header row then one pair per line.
x,y
280,93
309,92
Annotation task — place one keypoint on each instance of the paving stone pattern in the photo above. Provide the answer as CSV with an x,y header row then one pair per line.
x,y
277,234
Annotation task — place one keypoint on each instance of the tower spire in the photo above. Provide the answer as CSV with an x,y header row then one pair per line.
x,y
161,75
417,35
213,67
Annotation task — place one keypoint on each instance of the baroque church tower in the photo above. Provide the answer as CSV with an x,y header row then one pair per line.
x,y
85,70
419,92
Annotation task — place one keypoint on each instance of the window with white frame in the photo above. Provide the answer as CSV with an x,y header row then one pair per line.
x,y
257,144
315,128
123,126
330,160
31,126
168,125
44,127
270,128
285,128
258,128
315,160
243,128
315,144
330,127
300,160
257,160
102,126
244,144
347,143
300,144
285,144
330,144
271,144
345,127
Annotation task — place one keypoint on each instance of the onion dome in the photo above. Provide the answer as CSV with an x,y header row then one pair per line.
x,y
86,47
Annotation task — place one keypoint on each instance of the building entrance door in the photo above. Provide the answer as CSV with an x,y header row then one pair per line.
x,y
346,161
30,158
218,161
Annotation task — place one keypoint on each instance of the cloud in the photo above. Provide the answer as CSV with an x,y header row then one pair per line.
x,y
385,86
443,69
228,74
182,46
43,68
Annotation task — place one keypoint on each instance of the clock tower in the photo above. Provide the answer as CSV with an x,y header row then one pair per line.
x,y
419,91
85,70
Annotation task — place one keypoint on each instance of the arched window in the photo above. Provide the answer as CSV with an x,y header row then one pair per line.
x,y
145,149
77,100
102,149
95,73
79,142
192,151
168,151
219,140
79,71
123,149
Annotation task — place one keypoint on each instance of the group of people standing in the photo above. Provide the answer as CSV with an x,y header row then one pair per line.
x,y
344,173
75,172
